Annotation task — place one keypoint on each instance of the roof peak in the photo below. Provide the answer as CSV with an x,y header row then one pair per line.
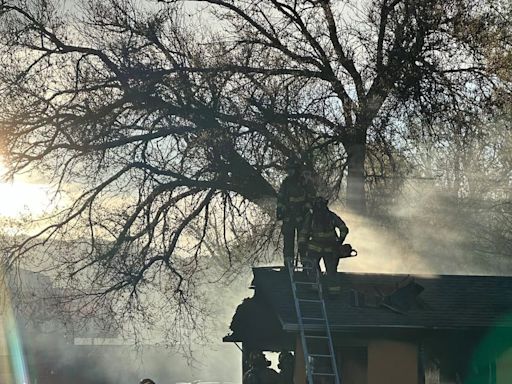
x,y
280,268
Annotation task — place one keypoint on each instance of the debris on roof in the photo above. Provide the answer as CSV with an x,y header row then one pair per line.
x,y
429,301
399,300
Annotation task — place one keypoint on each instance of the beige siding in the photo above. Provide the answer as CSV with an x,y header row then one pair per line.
x,y
389,362
353,367
392,362
299,376
504,368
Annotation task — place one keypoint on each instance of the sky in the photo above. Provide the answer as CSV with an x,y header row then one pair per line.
x,y
21,195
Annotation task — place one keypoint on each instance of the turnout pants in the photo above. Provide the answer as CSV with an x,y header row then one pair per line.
x,y
290,229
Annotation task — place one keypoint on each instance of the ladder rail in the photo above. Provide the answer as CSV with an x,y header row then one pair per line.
x,y
307,356
309,372
331,346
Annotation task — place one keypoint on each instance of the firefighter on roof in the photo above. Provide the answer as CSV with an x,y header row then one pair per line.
x,y
322,235
293,203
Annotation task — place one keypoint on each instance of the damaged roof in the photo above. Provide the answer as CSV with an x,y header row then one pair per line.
x,y
398,301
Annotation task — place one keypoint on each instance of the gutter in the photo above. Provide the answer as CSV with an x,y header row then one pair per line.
x,y
292,327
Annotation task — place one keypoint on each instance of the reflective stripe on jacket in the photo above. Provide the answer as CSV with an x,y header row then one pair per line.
x,y
322,248
319,231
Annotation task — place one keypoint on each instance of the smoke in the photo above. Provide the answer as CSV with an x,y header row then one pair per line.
x,y
57,352
426,231
117,364
379,249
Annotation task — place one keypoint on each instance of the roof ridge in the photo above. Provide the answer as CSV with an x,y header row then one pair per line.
x,y
278,268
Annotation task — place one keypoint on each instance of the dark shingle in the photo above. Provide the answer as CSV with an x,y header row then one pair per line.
x,y
447,301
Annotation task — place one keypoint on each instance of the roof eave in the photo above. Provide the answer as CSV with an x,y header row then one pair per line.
x,y
292,327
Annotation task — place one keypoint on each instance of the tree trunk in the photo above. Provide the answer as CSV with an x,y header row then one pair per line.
x,y
243,178
246,180
356,196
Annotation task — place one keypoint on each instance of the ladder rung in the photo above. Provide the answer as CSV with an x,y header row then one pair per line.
x,y
323,320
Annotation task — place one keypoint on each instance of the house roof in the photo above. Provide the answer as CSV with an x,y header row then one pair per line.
x,y
446,301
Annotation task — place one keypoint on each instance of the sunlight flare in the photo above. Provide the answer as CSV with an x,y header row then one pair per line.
x,y
18,197
14,368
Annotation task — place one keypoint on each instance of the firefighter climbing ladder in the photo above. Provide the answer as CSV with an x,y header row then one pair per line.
x,y
302,295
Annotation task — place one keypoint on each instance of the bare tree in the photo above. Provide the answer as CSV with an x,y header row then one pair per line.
x,y
98,102
363,59
168,140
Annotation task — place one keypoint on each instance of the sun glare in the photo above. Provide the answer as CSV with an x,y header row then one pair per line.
x,y
19,197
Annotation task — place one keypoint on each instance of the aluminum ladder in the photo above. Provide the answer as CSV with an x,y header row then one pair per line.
x,y
310,309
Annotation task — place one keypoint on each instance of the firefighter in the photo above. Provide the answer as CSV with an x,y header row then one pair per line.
x,y
293,202
260,373
322,234
286,367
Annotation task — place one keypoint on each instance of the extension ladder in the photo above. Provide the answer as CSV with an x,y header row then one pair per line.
x,y
310,308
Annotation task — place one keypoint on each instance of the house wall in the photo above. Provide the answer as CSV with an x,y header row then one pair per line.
x,y
299,375
353,364
504,367
392,362
381,362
